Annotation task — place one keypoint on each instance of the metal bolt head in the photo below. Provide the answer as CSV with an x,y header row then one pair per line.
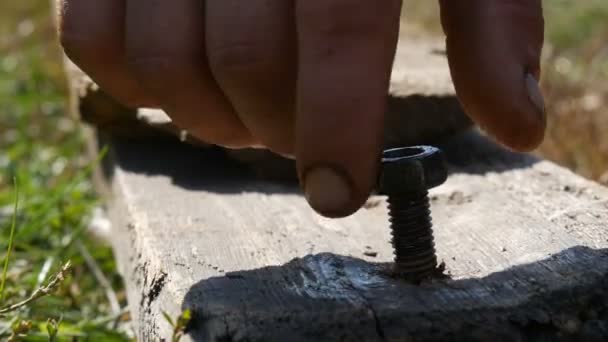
x,y
411,169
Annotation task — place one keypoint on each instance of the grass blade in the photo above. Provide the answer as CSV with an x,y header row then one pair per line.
x,y
10,241
36,222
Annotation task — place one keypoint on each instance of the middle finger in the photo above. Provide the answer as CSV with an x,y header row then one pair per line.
x,y
165,46
251,50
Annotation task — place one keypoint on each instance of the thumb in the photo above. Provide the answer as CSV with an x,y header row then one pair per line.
x,y
494,49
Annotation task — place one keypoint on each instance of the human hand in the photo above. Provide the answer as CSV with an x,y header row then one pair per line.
x,y
305,78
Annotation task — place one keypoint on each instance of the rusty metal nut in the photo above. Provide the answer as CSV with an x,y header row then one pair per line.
x,y
411,169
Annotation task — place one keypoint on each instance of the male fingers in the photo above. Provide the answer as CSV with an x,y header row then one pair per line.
x,y
346,49
92,35
494,49
165,44
251,50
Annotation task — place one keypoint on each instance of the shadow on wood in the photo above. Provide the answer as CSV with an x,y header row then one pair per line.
x,y
327,297
180,217
183,218
210,168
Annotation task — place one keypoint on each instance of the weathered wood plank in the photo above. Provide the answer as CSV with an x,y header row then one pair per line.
x,y
525,243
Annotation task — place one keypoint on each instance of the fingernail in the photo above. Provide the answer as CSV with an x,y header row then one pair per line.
x,y
327,190
534,93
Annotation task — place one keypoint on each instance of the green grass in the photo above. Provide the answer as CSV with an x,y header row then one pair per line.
x,y
42,148
11,241
575,82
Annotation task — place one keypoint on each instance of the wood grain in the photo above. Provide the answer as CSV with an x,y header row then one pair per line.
x,y
524,241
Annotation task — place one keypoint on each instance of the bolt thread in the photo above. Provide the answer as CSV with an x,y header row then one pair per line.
x,y
412,232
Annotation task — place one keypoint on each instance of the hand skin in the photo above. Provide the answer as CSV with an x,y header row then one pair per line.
x,y
305,78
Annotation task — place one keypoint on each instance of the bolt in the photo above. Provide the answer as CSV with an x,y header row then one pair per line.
x,y
407,174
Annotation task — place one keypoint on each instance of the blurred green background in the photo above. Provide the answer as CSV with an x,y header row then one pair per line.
x,y
43,149
574,80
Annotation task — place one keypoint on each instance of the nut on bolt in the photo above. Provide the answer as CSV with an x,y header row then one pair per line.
x,y
405,177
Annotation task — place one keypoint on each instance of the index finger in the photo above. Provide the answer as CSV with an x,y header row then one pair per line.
x,y
346,50
494,49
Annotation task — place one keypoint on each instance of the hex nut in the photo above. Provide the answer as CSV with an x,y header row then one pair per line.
x,y
411,169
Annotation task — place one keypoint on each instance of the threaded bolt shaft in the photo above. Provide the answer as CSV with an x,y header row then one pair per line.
x,y
412,232
406,176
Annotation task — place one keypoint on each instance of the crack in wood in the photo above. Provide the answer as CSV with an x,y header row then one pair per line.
x,y
156,286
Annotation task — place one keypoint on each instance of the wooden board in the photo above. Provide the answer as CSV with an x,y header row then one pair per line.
x,y
524,241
